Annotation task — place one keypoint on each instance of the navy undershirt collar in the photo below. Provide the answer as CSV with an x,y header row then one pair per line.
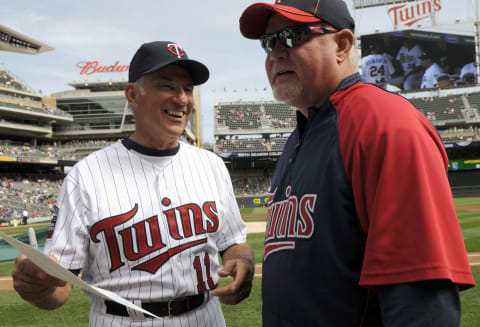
x,y
349,81
132,145
302,121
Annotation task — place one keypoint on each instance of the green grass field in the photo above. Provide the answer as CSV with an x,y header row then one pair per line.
x,y
22,229
467,201
470,223
253,210
16,312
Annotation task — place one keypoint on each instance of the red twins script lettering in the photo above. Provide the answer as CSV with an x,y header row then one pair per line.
x,y
287,221
409,14
134,238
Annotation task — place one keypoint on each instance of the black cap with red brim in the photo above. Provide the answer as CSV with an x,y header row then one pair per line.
x,y
333,12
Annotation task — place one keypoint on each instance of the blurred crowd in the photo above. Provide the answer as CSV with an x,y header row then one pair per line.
x,y
255,116
35,195
250,186
53,150
251,145
8,81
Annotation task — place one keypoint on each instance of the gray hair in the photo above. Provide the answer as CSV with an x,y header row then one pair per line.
x,y
139,83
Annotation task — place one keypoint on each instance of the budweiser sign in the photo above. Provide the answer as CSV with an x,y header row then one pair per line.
x,y
92,67
411,13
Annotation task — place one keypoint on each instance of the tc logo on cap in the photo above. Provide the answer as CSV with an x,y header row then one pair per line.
x,y
176,50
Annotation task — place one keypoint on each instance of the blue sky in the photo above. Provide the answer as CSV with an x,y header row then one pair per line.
x,y
110,31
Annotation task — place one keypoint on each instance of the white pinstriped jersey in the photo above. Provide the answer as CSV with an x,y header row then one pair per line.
x,y
430,77
409,58
376,66
147,227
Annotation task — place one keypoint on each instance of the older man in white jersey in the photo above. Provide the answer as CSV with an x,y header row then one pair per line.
x,y
147,216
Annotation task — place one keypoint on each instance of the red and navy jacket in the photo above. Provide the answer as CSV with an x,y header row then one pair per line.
x,y
359,198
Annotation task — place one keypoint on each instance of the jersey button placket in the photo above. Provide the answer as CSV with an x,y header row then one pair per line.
x,y
168,241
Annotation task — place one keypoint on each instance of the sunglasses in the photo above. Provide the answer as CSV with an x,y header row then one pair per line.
x,y
292,36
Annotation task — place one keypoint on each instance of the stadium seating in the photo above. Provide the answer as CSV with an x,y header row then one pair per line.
x,y
58,150
251,186
281,115
459,134
252,116
440,108
255,116
9,81
36,194
251,145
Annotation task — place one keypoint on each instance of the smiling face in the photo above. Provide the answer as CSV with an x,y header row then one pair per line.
x,y
305,75
164,107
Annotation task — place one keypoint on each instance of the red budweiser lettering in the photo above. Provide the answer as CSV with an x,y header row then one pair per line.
x,y
409,14
92,67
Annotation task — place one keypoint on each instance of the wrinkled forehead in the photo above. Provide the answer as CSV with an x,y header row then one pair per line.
x,y
172,73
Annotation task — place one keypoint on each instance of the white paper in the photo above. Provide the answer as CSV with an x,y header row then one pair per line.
x,y
54,269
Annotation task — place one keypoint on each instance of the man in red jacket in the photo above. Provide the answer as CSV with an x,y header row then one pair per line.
x,y
362,229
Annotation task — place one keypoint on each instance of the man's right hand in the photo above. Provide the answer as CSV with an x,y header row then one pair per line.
x,y
36,286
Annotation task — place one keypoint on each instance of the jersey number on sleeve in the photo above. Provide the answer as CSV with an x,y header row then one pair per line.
x,y
197,264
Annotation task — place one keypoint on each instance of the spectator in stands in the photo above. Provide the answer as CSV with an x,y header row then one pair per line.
x,y
25,216
360,194
432,71
409,57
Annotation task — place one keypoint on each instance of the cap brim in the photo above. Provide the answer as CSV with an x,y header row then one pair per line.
x,y
197,70
253,21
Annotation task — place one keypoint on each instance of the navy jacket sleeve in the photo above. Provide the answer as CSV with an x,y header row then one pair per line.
x,y
427,303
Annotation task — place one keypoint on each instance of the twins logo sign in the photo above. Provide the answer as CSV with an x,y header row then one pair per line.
x,y
205,220
288,220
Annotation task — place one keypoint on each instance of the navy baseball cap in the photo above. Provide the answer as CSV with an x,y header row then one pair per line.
x,y
153,56
334,12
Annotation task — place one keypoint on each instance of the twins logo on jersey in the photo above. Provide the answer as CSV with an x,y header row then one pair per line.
x,y
134,238
406,58
288,220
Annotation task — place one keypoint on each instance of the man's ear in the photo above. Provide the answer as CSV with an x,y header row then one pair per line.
x,y
131,93
345,41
